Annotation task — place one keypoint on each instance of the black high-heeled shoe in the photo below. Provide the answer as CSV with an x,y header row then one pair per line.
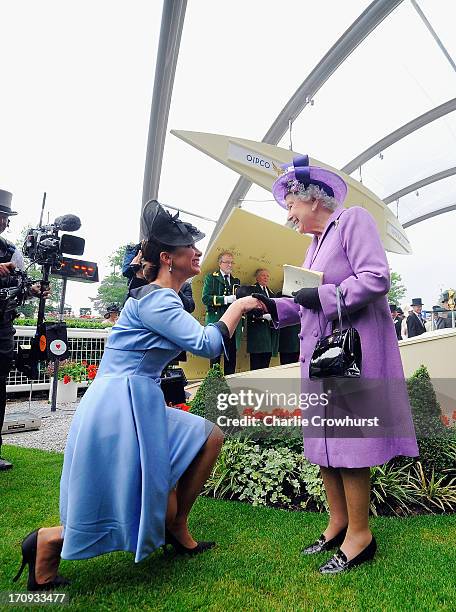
x,y
322,544
29,548
183,550
339,562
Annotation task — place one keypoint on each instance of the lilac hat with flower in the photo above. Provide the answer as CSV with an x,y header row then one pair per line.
x,y
300,175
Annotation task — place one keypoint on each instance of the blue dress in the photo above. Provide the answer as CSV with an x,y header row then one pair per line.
x,y
126,449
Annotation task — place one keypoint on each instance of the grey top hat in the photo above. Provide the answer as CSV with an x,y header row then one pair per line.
x,y
5,203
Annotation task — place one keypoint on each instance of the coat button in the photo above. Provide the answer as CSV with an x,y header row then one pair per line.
x,y
302,359
315,333
300,336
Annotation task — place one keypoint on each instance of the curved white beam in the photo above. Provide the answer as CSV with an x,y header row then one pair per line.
x,y
422,183
369,19
429,215
402,132
168,51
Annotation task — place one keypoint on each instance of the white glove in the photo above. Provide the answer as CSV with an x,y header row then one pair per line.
x,y
229,299
267,317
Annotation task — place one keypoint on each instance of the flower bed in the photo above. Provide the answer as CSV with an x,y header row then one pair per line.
x,y
271,470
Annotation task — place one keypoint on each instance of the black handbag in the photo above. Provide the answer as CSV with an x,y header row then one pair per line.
x,y
339,354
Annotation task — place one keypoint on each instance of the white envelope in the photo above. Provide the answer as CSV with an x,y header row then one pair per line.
x,y
296,278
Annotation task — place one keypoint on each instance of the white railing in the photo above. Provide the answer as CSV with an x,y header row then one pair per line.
x,y
84,345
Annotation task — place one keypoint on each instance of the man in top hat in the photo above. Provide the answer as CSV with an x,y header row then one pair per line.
x,y
262,338
396,320
415,322
444,304
10,259
439,320
218,293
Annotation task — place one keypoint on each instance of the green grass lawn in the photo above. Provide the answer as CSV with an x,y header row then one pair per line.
x,y
256,566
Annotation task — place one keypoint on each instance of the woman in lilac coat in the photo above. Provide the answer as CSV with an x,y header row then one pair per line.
x,y
346,247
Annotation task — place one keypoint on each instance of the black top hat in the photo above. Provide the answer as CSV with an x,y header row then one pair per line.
x,y
158,224
416,302
399,310
437,308
393,307
5,203
110,309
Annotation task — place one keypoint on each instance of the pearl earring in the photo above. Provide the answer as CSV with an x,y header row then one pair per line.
x,y
170,269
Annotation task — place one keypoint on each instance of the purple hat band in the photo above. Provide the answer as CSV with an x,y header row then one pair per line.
x,y
329,182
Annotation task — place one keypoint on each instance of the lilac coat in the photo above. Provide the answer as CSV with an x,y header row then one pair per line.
x,y
350,255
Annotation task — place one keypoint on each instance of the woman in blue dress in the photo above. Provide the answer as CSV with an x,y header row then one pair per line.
x,y
133,467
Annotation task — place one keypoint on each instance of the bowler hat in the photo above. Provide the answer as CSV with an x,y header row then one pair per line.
x,y
5,203
416,302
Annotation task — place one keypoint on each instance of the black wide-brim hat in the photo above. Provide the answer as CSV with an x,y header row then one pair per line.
x,y
158,224
110,309
5,203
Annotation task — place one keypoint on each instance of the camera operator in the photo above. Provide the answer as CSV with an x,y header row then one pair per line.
x,y
10,260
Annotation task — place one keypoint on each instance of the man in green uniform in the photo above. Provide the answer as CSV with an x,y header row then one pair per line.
x,y
218,293
262,338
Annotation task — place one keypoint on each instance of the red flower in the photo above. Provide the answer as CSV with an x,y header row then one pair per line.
x,y
445,420
183,407
454,415
84,363
91,374
66,379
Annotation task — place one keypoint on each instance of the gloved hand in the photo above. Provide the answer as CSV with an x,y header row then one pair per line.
x,y
269,303
229,299
308,298
267,317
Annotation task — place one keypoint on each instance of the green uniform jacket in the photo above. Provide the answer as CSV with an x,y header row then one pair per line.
x,y
289,340
214,290
261,336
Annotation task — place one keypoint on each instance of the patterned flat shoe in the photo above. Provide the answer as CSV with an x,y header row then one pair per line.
x,y
322,544
339,562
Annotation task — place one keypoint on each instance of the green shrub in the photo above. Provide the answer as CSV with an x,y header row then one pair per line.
x,y
246,472
71,323
437,454
204,403
390,489
433,493
425,407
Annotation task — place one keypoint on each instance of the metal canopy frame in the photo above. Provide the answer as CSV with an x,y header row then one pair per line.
x,y
433,33
168,51
369,19
429,215
422,183
402,132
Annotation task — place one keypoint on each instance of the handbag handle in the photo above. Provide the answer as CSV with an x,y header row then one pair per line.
x,y
339,297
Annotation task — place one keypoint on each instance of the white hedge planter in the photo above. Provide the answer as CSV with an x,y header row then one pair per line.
x,y
65,393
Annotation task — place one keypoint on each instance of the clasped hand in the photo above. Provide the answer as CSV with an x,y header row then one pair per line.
x,y
249,303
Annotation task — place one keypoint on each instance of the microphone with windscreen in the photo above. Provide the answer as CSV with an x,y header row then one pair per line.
x,y
68,223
